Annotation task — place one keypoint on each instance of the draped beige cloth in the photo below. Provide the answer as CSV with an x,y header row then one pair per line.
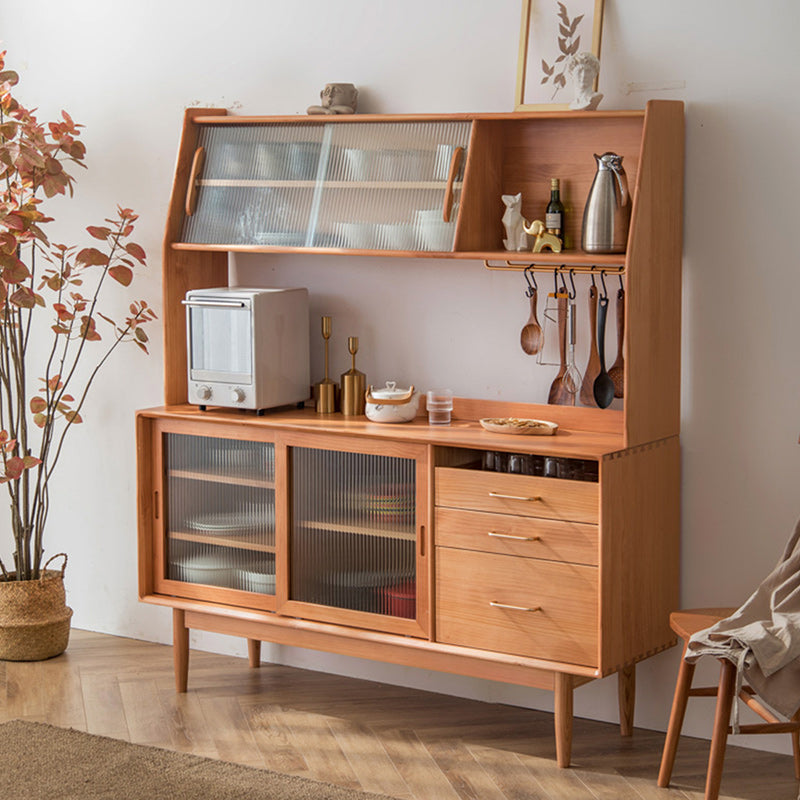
x,y
763,636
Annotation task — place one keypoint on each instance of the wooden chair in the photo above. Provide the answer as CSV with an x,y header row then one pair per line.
x,y
685,623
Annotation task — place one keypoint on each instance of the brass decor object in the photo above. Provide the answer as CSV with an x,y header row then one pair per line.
x,y
353,384
326,388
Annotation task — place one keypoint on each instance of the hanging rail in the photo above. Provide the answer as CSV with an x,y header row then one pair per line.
x,y
566,267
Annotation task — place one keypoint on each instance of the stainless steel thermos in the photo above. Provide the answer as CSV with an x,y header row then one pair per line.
x,y
607,213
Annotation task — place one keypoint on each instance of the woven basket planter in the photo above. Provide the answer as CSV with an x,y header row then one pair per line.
x,y
34,617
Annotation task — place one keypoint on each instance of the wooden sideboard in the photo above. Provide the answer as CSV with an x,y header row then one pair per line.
x,y
408,543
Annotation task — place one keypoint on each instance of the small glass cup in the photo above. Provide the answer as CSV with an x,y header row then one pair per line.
x,y
439,405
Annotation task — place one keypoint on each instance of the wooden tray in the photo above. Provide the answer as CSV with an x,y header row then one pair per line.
x,y
518,426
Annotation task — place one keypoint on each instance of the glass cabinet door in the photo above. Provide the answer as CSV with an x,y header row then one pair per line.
x,y
353,536
220,512
359,186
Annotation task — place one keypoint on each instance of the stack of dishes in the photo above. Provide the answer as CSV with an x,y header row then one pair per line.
x,y
389,503
251,519
210,570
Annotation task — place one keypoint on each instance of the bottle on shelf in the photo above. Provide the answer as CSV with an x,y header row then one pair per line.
x,y
554,213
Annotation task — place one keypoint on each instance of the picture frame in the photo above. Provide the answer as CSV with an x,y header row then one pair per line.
x,y
550,32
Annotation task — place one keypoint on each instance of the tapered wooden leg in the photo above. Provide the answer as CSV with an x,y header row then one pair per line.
x,y
682,686
180,649
563,718
796,746
626,692
254,652
719,739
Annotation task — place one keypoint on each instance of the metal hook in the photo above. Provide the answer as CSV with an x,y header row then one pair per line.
x,y
621,284
604,295
564,282
555,282
572,283
594,285
532,287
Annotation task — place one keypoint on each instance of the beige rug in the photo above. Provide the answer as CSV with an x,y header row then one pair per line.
x,y
42,762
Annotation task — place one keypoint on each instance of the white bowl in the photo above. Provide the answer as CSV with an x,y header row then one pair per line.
x,y
396,236
253,581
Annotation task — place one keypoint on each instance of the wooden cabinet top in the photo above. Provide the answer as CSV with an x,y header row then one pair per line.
x,y
581,435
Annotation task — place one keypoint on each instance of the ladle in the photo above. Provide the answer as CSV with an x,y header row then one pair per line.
x,y
603,385
531,336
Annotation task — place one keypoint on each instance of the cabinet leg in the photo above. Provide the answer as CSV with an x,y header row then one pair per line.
x,y
254,652
626,690
563,718
180,649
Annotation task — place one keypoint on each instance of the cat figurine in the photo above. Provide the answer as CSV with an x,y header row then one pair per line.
x,y
514,222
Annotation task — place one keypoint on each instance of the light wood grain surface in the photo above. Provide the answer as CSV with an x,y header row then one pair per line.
x,y
406,743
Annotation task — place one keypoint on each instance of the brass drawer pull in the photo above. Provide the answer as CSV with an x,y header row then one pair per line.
x,y
495,604
518,538
515,497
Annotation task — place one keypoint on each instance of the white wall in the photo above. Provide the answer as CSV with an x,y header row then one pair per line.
x,y
128,71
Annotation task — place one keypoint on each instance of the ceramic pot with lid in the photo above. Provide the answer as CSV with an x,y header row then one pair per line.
x,y
391,404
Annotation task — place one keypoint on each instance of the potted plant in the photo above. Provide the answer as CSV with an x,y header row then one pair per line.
x,y
51,350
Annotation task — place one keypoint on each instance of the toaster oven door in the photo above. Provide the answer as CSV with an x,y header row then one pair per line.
x,y
220,340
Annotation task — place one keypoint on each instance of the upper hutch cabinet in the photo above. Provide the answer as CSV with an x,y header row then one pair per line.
x,y
374,186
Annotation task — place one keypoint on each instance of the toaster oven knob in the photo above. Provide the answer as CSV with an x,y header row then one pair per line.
x,y
237,395
204,392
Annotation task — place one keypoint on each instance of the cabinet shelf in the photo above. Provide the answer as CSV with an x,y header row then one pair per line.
x,y
240,183
357,530
215,477
238,541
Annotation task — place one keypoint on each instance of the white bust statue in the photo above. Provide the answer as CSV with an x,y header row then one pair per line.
x,y
582,70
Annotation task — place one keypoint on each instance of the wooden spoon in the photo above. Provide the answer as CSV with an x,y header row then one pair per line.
x,y
530,337
617,371
558,391
593,367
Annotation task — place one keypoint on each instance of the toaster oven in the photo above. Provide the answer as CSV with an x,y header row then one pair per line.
x,y
247,348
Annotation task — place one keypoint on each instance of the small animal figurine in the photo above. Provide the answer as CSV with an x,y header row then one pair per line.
x,y
337,98
543,238
514,222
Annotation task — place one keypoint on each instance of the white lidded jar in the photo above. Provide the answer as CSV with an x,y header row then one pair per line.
x,y
391,404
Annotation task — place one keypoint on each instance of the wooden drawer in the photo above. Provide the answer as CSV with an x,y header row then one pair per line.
x,y
562,628
550,498
505,534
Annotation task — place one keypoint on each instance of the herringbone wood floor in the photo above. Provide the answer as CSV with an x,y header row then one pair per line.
x,y
405,743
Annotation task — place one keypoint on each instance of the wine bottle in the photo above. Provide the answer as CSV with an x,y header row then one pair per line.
x,y
554,213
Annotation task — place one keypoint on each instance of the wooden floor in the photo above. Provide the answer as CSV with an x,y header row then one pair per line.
x,y
401,742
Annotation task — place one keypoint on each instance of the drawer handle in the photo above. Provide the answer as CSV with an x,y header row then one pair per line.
x,y
517,538
495,604
515,497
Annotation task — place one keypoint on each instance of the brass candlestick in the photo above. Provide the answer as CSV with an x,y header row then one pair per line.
x,y
326,388
354,384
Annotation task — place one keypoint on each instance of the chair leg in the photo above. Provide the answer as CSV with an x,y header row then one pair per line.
x,y
796,746
682,686
719,739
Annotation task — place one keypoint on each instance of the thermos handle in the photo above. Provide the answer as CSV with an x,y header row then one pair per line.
x,y
622,180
